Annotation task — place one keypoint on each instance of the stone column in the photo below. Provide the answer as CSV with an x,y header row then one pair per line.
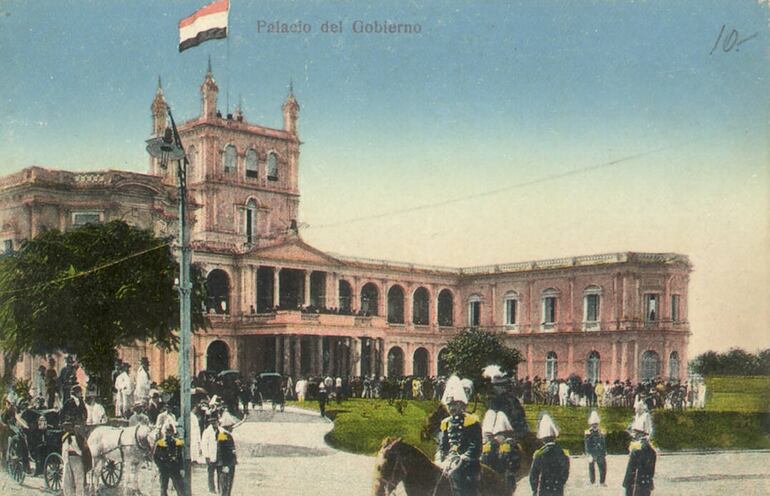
x,y
433,312
306,288
636,362
623,353
332,355
492,305
276,286
381,358
530,361
666,369
571,357
571,303
332,291
297,356
278,354
287,355
408,305
357,352
409,359
613,362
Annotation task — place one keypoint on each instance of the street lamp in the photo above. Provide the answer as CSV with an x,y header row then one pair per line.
x,y
169,148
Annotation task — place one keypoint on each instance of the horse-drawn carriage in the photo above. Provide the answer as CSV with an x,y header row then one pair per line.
x,y
271,387
35,439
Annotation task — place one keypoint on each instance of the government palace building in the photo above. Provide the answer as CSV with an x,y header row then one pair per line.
x,y
276,303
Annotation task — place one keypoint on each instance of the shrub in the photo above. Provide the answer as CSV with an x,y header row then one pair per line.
x,y
676,430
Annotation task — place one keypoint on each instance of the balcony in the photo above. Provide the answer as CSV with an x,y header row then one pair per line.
x,y
295,317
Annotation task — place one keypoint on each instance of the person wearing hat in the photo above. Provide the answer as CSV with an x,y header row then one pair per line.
x,y
595,443
96,413
226,457
165,417
51,381
460,442
153,407
209,449
504,422
74,409
323,398
67,378
640,471
124,388
550,463
169,458
138,417
142,391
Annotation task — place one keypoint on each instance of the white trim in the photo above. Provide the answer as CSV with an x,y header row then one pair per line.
x,y
99,213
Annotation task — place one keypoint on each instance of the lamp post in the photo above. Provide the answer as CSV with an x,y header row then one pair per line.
x,y
169,147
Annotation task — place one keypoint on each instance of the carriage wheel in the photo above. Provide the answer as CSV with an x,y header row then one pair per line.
x,y
112,472
13,463
53,471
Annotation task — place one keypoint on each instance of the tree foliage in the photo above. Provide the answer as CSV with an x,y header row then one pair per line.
x,y
735,362
473,349
90,290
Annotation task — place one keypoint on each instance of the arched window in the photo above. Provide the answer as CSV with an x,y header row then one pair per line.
x,y
229,157
251,221
551,366
593,364
345,296
396,305
445,308
272,167
217,291
591,301
548,300
650,365
252,169
395,362
673,366
510,308
420,362
421,307
474,311
443,369
217,356
369,299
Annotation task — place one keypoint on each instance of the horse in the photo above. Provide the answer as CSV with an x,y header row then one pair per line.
x,y
399,462
133,444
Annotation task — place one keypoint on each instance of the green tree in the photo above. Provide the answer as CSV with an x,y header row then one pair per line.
x,y
734,362
473,349
90,290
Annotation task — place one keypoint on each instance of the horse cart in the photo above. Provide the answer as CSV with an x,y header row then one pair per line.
x,y
36,441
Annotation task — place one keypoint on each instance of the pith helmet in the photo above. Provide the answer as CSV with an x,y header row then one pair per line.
x,y
594,418
495,374
547,428
454,391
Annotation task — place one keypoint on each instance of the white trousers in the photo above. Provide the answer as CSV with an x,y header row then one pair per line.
x,y
74,476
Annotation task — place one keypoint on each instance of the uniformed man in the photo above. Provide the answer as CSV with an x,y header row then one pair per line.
x,y
550,463
74,410
460,442
169,458
226,458
641,461
209,450
504,423
595,443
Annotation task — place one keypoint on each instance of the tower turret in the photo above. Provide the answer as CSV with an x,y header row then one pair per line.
x,y
290,112
159,111
209,91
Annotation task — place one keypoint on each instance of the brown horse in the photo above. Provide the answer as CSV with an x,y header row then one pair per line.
x,y
398,462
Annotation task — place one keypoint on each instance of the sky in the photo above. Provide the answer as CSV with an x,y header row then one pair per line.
x,y
502,131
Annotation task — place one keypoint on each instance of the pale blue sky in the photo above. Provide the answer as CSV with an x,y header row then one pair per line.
x,y
488,95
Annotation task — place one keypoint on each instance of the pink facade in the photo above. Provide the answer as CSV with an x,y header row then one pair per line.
x,y
609,316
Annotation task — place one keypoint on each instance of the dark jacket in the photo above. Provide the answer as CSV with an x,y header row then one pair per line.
x,y
168,454
461,434
225,449
595,444
641,469
550,470
74,410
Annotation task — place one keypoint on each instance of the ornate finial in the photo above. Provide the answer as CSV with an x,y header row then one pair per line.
x,y
291,87
209,68
160,86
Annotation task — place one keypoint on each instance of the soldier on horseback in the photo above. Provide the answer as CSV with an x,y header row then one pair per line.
x,y
460,442
504,423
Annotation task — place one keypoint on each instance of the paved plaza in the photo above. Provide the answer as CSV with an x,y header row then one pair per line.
x,y
285,454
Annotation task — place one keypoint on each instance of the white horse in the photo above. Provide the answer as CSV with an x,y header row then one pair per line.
x,y
133,444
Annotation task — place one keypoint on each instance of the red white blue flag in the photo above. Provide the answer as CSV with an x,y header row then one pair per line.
x,y
207,23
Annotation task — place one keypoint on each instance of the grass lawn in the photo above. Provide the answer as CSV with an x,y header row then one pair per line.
x,y
738,394
736,417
